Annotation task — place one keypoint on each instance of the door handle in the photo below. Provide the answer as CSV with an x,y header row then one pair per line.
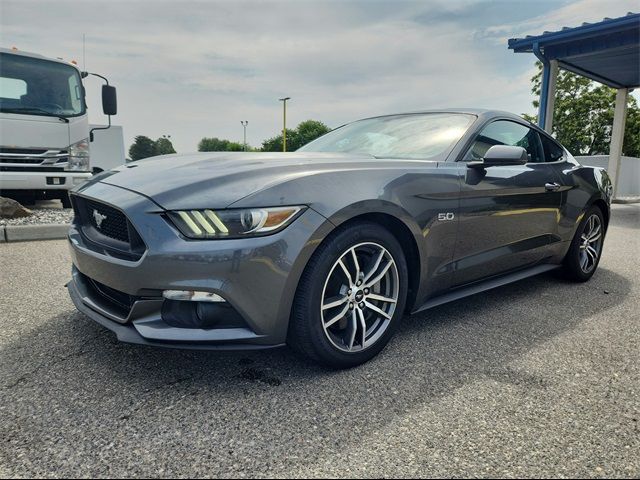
x,y
551,187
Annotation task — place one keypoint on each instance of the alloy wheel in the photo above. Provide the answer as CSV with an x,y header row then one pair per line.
x,y
591,243
359,297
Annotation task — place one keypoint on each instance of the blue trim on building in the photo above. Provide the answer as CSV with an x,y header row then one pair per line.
x,y
544,86
607,51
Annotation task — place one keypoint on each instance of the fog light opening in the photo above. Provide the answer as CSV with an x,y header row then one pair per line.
x,y
192,296
198,314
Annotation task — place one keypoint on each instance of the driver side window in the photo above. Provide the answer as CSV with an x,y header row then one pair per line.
x,y
505,132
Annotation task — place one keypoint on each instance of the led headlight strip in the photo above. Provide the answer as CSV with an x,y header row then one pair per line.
x,y
233,223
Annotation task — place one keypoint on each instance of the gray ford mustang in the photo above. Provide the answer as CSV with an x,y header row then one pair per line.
x,y
325,249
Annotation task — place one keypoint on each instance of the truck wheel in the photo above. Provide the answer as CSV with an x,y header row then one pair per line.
x,y
66,201
351,297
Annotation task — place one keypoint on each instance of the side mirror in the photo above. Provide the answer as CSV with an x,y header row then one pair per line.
x,y
500,155
109,100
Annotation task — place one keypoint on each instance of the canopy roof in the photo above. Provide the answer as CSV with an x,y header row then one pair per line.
x,y
607,51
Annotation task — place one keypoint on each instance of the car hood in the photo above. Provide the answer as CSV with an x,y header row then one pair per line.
x,y
216,180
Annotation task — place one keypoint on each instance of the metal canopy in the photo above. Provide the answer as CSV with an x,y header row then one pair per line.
x,y
607,51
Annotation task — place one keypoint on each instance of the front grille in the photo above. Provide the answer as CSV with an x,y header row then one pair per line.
x,y
31,169
22,151
111,300
32,156
107,220
106,229
18,160
120,299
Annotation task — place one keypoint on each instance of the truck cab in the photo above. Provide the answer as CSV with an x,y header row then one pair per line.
x,y
44,127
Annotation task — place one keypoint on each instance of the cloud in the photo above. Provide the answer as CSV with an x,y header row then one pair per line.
x,y
194,69
569,15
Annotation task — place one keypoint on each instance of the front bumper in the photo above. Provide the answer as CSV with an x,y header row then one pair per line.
x,y
165,336
256,276
42,180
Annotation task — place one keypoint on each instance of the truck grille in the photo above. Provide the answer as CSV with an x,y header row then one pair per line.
x,y
107,229
33,156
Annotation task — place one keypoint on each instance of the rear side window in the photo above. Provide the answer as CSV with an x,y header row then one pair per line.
x,y
504,132
552,151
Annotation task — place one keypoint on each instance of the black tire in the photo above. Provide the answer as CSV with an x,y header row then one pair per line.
x,y
572,268
306,334
66,201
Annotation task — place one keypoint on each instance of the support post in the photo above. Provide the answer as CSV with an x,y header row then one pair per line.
x,y
551,96
544,86
617,137
284,127
284,122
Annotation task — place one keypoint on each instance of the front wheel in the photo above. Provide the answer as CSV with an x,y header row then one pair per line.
x,y
351,297
584,253
66,200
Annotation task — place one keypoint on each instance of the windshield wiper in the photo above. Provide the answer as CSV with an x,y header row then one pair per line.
x,y
32,110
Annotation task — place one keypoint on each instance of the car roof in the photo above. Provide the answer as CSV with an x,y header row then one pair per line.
x,y
470,111
478,112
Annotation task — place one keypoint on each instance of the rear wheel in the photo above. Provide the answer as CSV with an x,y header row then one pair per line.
x,y
351,297
585,251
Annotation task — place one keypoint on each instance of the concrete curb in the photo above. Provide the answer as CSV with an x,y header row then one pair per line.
x,y
626,200
2,237
22,233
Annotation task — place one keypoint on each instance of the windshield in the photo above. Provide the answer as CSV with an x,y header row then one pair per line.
x,y
39,87
413,136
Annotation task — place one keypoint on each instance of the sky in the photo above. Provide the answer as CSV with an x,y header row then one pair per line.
x,y
195,69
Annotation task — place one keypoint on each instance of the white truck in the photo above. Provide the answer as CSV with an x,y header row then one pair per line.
x,y
45,136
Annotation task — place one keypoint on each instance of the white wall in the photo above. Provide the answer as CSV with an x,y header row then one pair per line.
x,y
629,178
107,148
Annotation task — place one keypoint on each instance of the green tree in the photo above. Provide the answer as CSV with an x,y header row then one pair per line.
x,y
583,115
236,147
304,133
309,130
163,146
213,144
274,144
143,147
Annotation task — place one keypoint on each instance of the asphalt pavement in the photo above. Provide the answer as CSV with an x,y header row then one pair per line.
x,y
537,379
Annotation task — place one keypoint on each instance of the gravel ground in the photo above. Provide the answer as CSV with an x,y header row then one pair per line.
x,y
536,379
41,216
44,212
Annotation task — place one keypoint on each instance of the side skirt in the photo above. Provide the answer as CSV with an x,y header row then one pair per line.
x,y
485,285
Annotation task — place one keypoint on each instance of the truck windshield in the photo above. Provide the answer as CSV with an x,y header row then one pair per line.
x,y
35,86
424,136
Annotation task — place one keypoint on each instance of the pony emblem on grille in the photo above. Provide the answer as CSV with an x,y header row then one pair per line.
x,y
98,217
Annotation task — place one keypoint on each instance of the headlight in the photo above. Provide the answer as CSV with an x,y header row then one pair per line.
x,y
233,223
79,157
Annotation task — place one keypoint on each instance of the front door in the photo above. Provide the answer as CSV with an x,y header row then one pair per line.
x,y
508,215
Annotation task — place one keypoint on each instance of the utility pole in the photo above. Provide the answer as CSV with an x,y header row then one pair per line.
x,y
244,126
284,123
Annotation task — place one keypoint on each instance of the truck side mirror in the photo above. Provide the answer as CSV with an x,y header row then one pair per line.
x,y
109,100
